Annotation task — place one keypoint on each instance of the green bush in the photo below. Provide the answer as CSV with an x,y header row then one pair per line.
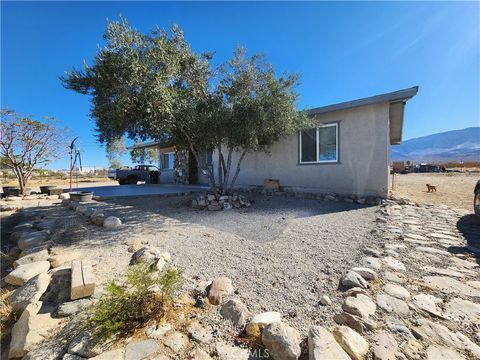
x,y
146,294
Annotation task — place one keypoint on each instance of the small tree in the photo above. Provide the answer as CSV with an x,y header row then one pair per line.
x,y
115,149
154,86
27,144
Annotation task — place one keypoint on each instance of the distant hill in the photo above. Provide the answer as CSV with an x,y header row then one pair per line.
x,y
453,145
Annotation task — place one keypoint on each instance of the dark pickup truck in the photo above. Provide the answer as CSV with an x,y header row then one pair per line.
x,y
145,173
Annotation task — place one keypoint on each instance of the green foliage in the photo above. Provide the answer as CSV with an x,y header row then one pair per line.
x,y
146,294
154,86
144,156
115,149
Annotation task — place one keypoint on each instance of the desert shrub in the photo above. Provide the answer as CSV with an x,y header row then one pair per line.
x,y
145,295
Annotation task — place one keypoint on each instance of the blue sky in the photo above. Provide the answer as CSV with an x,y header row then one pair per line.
x,y
342,51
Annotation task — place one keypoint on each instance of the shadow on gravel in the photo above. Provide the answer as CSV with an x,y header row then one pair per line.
x,y
266,219
469,226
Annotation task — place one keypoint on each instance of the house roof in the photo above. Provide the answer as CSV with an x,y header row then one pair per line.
x,y
396,99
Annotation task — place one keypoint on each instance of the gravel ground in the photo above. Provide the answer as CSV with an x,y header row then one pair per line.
x,y
282,254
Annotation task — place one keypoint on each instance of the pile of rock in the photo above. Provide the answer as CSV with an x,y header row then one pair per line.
x,y
95,216
217,202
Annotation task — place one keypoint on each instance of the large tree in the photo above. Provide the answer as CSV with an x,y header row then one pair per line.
x,y
153,86
27,144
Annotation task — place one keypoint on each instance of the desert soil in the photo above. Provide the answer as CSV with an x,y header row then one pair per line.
x,y
453,189
279,253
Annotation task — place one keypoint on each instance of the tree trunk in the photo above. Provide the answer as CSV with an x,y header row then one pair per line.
x,y
211,176
237,171
227,175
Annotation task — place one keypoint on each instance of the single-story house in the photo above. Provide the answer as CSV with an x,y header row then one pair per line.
x,y
346,153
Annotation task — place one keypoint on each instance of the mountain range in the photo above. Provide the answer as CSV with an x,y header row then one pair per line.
x,y
455,145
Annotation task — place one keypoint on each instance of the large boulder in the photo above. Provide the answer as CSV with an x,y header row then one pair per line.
x,y
30,292
351,341
23,273
282,341
237,312
385,346
219,288
30,330
322,345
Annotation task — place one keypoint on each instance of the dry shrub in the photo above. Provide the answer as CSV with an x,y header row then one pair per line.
x,y
147,294
7,316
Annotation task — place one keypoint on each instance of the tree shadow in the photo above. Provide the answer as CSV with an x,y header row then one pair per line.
x,y
469,227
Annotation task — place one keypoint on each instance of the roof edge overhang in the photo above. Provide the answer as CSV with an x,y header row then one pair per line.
x,y
396,100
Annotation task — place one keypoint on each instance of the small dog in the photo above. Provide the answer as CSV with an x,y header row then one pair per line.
x,y
431,188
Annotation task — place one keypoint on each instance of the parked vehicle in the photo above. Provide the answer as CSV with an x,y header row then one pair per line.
x,y
476,199
145,173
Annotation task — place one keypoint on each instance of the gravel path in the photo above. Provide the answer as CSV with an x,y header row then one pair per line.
x,y
282,254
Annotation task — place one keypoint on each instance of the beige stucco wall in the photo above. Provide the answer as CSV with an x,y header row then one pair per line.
x,y
363,157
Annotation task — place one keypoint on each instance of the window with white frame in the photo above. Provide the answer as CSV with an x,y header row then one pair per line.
x,y
167,160
319,145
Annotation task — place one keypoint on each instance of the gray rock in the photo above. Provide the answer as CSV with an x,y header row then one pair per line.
x,y
397,291
146,254
428,303
199,333
85,344
367,273
372,263
352,279
175,340
72,357
97,218
30,292
72,307
116,354
237,312
398,327
282,341
360,305
430,250
139,350
199,354
392,305
394,263
32,239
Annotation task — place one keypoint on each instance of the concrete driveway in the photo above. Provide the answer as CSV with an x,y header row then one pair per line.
x,y
141,190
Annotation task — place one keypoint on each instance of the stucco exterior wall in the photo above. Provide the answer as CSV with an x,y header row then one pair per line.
x,y
362,166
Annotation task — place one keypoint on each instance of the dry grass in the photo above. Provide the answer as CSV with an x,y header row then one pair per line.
x,y
453,189
7,316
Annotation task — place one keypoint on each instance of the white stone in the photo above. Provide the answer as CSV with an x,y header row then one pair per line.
x,y
443,353
142,349
110,355
30,258
461,310
23,273
325,300
112,222
428,303
228,352
449,285
322,345
372,263
160,331
260,321
30,330
397,291
394,263
385,346
199,333
351,341
360,305
282,341
391,304
175,340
